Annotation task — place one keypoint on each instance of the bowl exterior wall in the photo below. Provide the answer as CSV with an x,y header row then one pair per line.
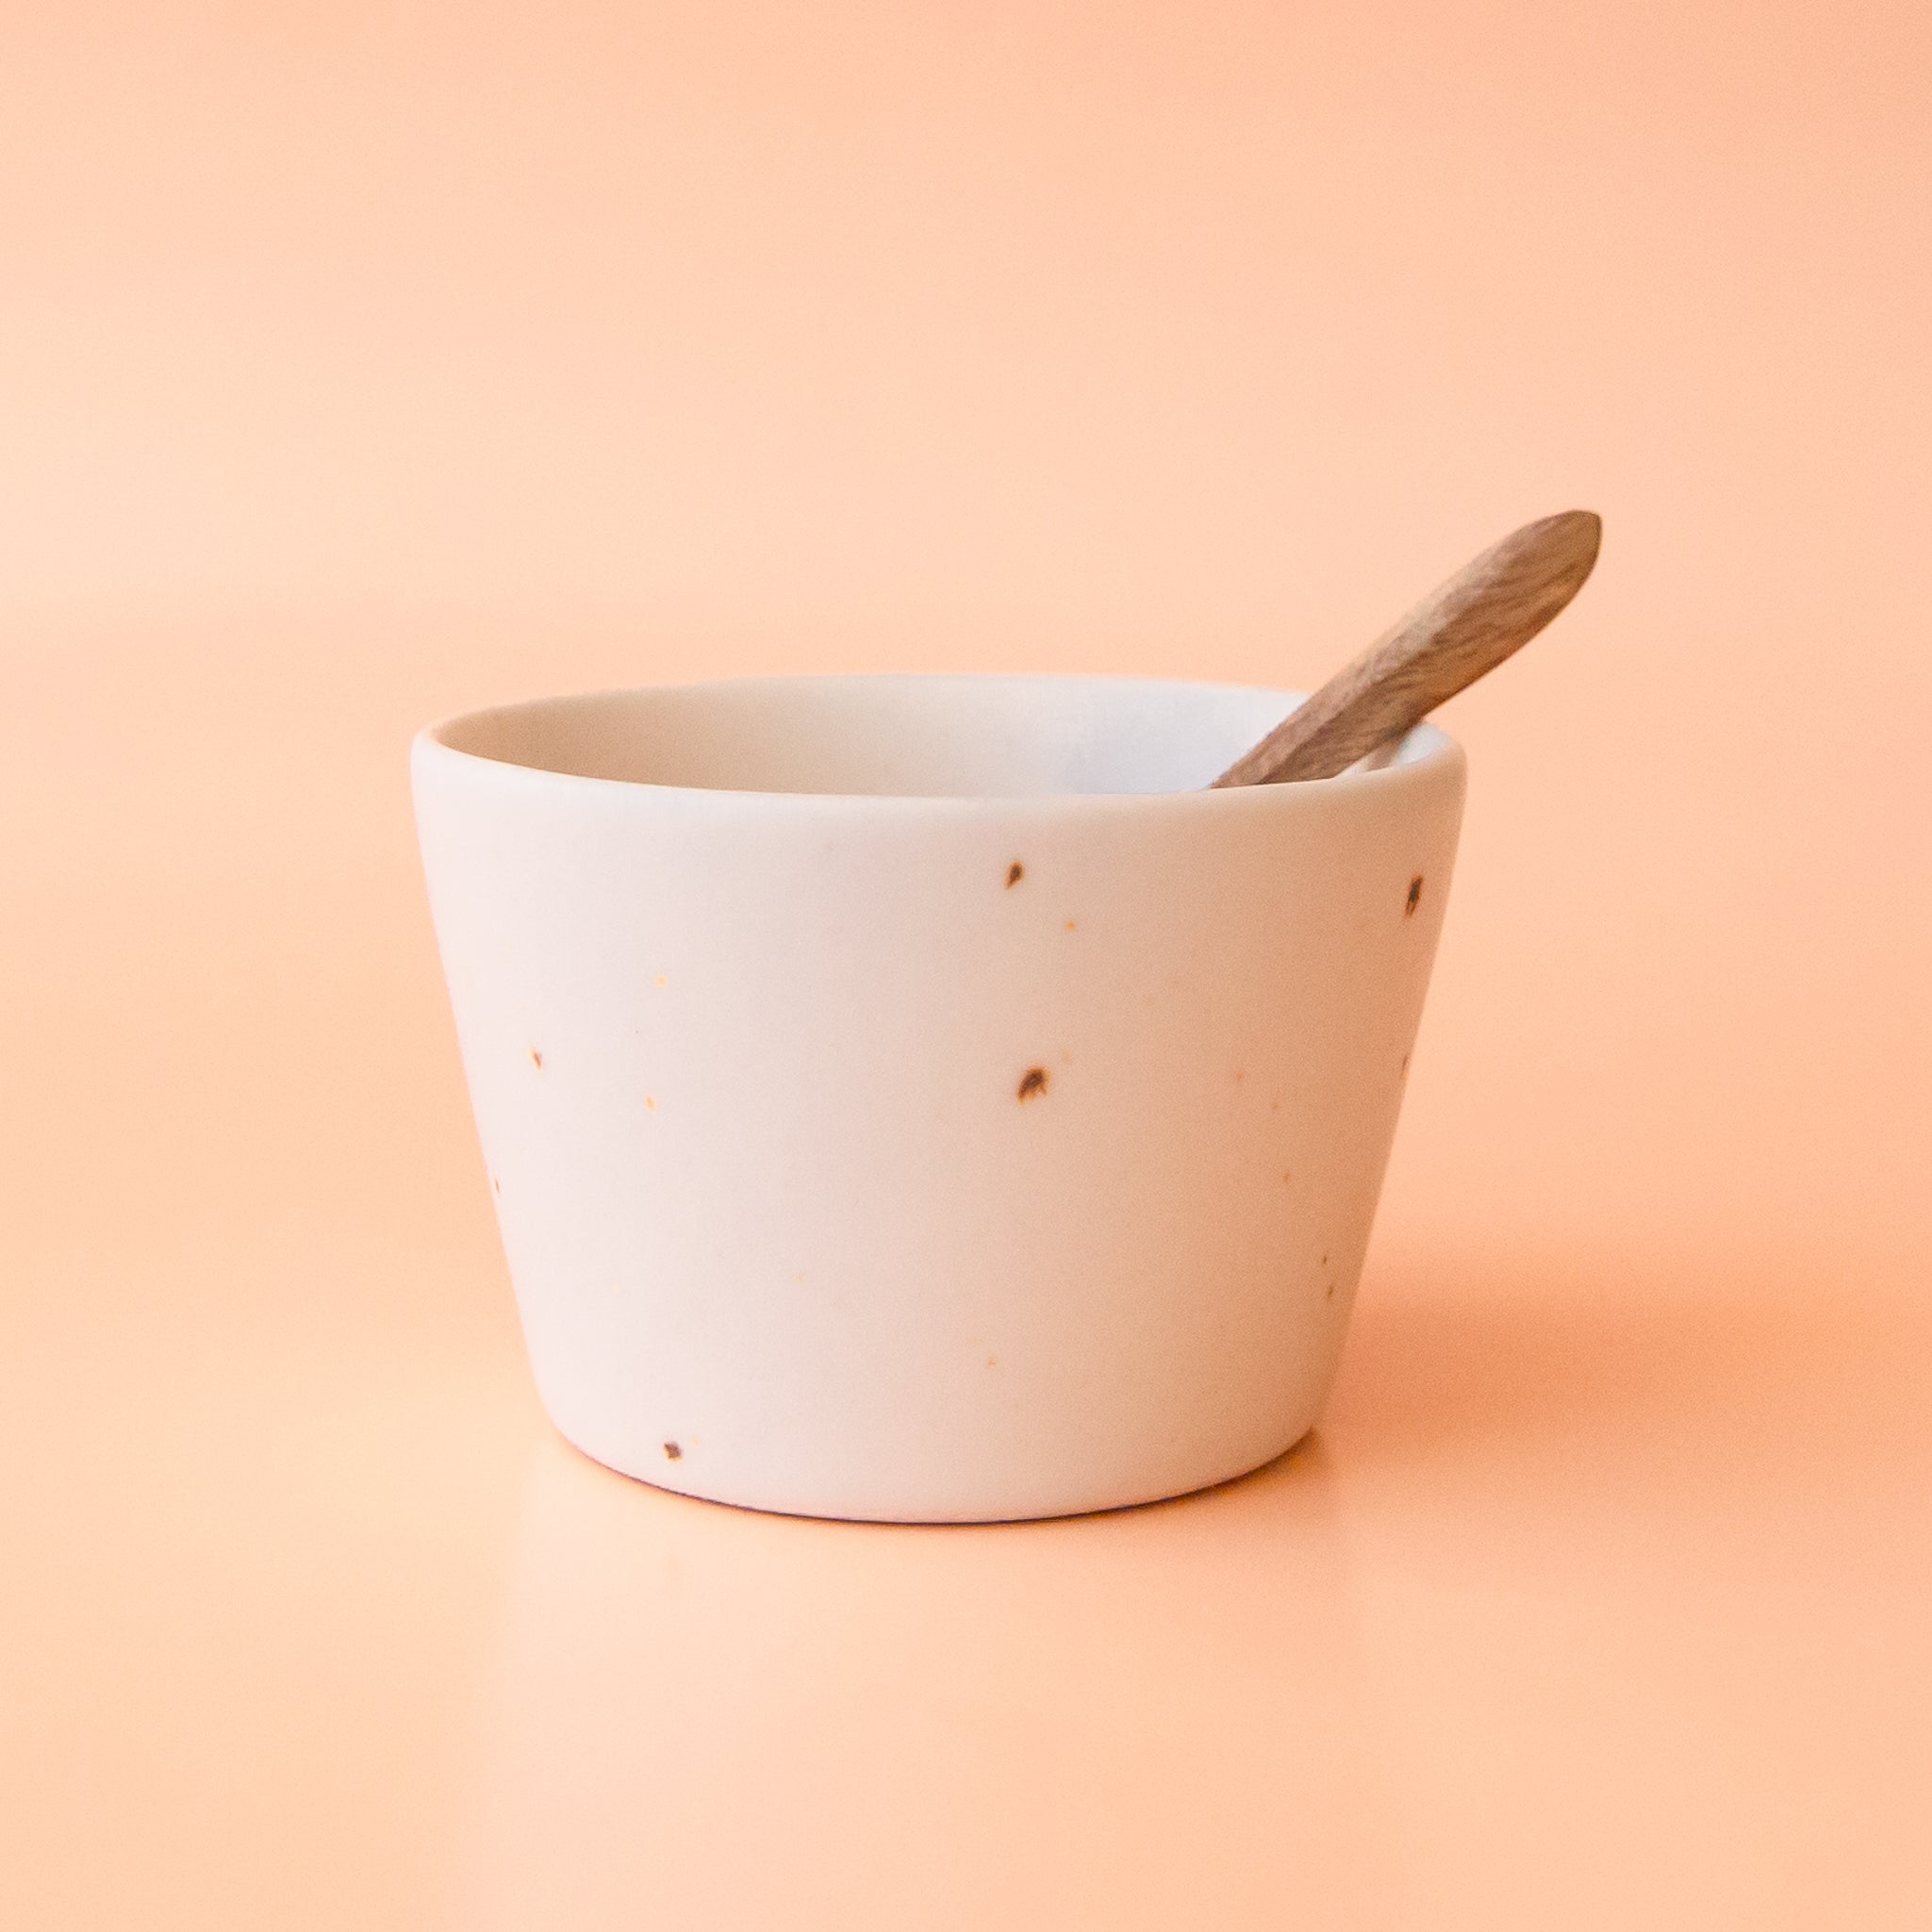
x,y
934,1159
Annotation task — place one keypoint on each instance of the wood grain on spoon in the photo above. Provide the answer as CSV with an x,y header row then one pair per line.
x,y
1465,627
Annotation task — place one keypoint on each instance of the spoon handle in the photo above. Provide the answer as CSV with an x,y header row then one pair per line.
x,y
1463,627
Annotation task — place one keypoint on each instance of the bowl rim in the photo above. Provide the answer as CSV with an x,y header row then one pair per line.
x,y
1432,755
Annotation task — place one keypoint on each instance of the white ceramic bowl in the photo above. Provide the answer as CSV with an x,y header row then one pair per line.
x,y
914,1097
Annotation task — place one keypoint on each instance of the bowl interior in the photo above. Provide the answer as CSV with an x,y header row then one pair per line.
x,y
913,736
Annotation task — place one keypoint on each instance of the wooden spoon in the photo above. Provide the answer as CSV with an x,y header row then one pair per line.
x,y
1463,629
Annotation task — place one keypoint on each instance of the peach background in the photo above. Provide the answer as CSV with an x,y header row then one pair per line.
x,y
361,364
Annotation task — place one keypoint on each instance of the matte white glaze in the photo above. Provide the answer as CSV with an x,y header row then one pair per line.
x,y
839,1175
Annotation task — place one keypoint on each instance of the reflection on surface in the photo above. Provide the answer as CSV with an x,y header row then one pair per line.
x,y
707,1714
1573,1568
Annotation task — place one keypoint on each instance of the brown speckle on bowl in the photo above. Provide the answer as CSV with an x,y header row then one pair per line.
x,y
1032,1082
1015,873
672,1453
537,1059
1414,895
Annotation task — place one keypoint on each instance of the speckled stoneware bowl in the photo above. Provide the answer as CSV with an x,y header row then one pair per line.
x,y
914,1097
